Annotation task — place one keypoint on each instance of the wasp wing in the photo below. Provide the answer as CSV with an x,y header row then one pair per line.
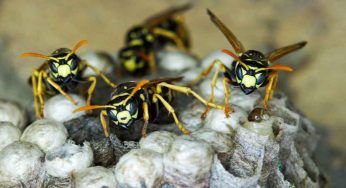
x,y
278,53
164,15
236,44
154,82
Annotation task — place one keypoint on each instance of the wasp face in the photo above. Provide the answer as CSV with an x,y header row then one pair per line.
x,y
124,114
63,66
250,77
139,36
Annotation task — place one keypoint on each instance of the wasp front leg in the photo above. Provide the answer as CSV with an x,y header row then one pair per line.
x,y
91,89
57,87
104,124
145,119
271,86
34,83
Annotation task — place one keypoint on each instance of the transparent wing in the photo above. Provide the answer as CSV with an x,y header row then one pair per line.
x,y
160,80
236,44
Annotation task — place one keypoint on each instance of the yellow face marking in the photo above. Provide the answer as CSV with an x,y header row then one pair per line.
x,y
74,72
64,70
135,42
258,75
69,62
249,81
135,115
142,97
124,117
128,107
54,74
150,38
130,64
116,96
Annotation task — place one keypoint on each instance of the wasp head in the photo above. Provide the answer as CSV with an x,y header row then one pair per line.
x,y
63,65
250,74
123,112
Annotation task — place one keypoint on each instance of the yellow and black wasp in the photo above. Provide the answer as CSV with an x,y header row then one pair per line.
x,y
60,73
250,69
156,32
132,101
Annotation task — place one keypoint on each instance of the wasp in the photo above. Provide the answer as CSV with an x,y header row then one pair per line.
x,y
142,41
61,72
250,70
131,101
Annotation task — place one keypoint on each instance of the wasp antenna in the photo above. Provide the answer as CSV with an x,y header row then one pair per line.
x,y
279,67
30,54
234,57
231,54
78,45
302,44
210,13
91,107
139,86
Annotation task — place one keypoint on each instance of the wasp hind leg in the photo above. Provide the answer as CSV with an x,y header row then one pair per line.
x,y
172,111
37,103
145,119
271,86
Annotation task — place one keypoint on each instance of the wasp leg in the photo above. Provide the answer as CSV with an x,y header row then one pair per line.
x,y
91,89
171,110
98,72
187,91
152,62
35,92
57,87
105,127
39,91
170,35
145,119
206,72
213,85
270,88
226,91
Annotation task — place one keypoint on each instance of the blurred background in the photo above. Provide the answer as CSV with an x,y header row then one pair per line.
x,y
316,87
